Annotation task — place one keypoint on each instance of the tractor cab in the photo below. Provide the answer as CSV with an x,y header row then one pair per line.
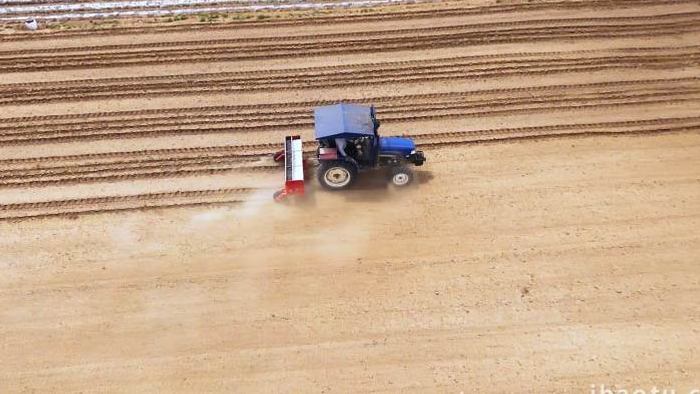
x,y
347,132
349,142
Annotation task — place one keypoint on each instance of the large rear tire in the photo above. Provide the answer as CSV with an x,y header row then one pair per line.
x,y
401,176
336,174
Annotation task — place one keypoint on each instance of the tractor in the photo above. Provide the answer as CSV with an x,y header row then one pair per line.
x,y
348,144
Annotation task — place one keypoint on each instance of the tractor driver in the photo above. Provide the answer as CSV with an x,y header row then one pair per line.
x,y
341,144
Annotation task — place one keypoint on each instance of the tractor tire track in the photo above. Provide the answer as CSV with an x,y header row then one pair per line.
x,y
124,164
325,38
514,56
75,213
92,205
376,16
398,109
290,107
127,198
314,45
97,176
468,67
88,168
243,151
439,139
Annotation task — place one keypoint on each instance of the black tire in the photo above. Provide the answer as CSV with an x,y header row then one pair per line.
x,y
336,174
401,176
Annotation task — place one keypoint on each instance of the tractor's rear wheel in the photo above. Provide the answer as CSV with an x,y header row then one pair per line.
x,y
401,176
336,175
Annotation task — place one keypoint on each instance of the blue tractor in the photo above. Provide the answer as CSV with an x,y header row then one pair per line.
x,y
349,144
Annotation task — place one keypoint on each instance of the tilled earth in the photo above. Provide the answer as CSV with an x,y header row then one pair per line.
x,y
550,243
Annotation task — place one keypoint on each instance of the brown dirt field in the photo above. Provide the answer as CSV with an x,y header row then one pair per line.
x,y
550,243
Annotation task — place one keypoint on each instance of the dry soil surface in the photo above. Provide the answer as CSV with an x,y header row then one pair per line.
x,y
550,243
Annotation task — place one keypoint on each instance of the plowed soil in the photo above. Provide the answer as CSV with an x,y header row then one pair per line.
x,y
550,243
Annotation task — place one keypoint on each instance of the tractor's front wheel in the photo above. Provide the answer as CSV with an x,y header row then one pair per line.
x,y
401,176
336,175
